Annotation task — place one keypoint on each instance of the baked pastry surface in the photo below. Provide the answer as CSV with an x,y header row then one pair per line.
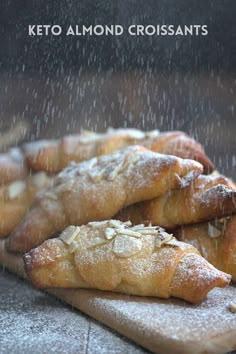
x,y
97,189
111,255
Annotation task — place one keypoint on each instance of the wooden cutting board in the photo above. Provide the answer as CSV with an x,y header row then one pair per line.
x,y
162,326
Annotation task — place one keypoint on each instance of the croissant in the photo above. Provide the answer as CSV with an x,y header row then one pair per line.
x,y
12,166
115,256
206,197
97,189
54,155
215,240
16,198
179,144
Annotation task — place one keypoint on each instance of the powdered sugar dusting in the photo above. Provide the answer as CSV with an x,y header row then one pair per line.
x,y
131,261
170,319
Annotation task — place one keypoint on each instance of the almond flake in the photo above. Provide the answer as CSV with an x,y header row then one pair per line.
x,y
213,232
99,224
73,247
96,175
39,179
110,233
137,227
15,189
115,223
128,232
158,242
113,174
128,223
232,307
126,246
162,239
69,234
148,232
96,241
130,162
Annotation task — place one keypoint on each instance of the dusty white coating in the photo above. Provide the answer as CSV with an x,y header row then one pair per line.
x,y
170,319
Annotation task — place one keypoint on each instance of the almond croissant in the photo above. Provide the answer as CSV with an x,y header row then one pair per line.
x,y
12,166
16,198
97,189
114,256
216,241
206,197
54,155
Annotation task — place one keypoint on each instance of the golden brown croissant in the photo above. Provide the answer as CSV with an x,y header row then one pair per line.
x,y
54,155
179,144
114,256
16,198
215,240
97,189
12,166
206,197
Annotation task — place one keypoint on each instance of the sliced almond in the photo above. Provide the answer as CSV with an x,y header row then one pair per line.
x,y
137,227
232,307
15,189
158,242
126,246
96,175
128,232
213,232
128,223
113,174
149,232
129,162
110,233
73,246
99,224
96,241
39,179
115,223
69,234
162,239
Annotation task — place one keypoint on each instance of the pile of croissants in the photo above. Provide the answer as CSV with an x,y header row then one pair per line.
x,y
142,213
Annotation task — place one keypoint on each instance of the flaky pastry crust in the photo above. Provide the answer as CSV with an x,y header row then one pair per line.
x,y
97,189
54,155
206,197
215,240
16,199
12,166
115,256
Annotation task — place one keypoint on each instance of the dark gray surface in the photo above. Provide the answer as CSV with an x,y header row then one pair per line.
x,y
34,322
201,105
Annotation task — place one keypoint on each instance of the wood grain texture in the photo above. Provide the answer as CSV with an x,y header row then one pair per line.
x,y
161,326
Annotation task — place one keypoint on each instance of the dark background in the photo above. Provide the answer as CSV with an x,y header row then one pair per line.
x,y
58,85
